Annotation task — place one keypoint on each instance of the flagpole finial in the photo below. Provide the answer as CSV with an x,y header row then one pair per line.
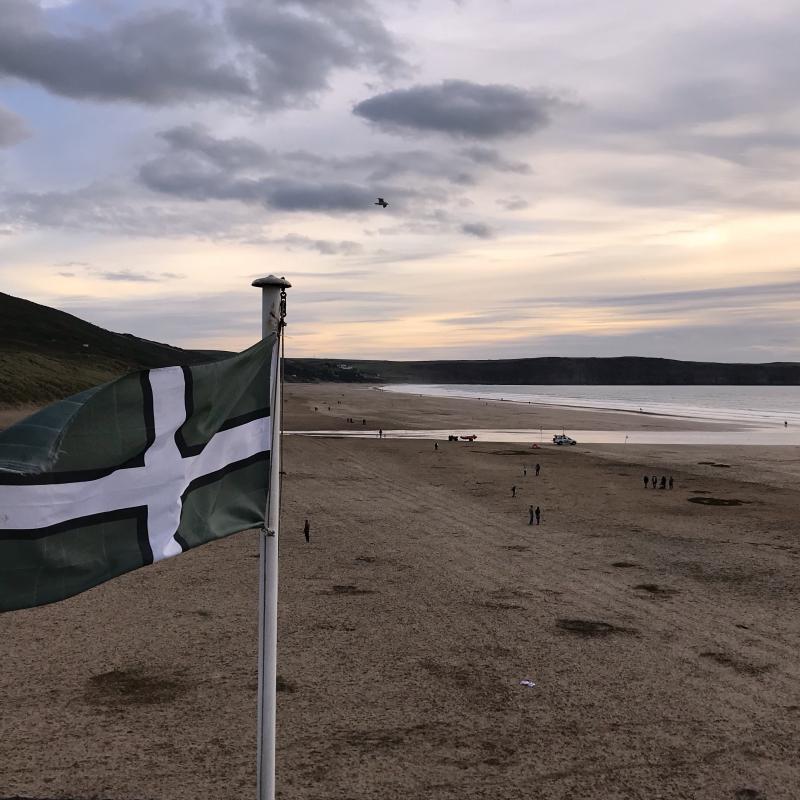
x,y
272,280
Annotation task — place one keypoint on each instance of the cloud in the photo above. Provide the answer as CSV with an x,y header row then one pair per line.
x,y
12,128
478,229
337,275
284,194
236,153
111,210
486,156
242,154
294,53
274,54
460,109
128,276
323,246
513,203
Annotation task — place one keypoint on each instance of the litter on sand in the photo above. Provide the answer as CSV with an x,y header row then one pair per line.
x,y
527,682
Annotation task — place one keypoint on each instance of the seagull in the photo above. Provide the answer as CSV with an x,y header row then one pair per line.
x,y
381,202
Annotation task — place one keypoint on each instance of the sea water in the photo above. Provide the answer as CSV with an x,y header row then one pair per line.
x,y
762,407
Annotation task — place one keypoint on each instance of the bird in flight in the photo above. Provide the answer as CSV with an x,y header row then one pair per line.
x,y
381,202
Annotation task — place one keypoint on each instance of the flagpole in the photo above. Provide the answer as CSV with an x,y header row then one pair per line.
x,y
272,311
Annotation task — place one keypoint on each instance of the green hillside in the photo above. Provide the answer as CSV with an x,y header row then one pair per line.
x,y
46,354
625,370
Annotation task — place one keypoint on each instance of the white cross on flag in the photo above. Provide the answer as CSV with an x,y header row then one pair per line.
x,y
132,472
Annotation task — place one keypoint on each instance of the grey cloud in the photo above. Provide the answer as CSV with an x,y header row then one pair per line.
x,y
326,247
191,317
109,210
460,109
336,275
478,229
752,300
197,181
236,153
128,276
513,203
273,54
154,58
66,274
716,298
245,154
754,343
486,156
295,53
12,128
323,246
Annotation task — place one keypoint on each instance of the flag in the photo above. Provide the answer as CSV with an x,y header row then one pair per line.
x,y
133,472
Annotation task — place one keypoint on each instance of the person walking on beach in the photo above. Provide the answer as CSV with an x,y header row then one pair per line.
x,y
538,515
663,482
524,471
436,445
513,491
670,481
537,470
380,433
646,481
530,515
307,532
654,482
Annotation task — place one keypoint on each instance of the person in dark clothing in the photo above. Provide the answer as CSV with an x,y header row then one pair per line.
x,y
513,491
530,515
537,470
663,482
646,481
436,445
307,531
654,482
380,433
538,515
524,472
670,481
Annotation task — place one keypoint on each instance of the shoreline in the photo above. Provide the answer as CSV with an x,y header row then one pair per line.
x,y
576,406
336,403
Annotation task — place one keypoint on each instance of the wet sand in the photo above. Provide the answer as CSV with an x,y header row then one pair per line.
x,y
660,628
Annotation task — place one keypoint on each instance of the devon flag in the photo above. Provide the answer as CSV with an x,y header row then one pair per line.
x,y
132,472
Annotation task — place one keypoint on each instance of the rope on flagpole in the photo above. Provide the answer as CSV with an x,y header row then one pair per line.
x,y
281,372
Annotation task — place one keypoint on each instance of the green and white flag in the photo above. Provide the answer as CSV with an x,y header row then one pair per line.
x,y
132,472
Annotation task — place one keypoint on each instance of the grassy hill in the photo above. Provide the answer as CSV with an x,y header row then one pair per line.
x,y
46,354
626,370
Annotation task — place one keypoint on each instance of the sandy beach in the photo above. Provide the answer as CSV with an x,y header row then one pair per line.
x,y
660,628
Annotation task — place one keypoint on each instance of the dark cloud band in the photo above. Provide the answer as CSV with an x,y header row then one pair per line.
x,y
460,109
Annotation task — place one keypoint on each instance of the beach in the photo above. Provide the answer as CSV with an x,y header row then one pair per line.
x,y
659,628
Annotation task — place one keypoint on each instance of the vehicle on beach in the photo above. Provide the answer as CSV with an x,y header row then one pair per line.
x,y
560,438
471,438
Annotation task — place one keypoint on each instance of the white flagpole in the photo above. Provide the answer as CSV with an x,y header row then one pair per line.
x,y
272,289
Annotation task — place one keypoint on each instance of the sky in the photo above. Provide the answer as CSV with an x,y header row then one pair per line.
x,y
563,178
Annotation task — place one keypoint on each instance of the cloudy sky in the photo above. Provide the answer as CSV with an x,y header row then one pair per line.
x,y
563,178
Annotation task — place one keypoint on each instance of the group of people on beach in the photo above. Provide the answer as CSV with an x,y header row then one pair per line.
x,y
533,513
653,481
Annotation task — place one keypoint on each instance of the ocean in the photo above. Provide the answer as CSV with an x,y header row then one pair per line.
x,y
757,406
